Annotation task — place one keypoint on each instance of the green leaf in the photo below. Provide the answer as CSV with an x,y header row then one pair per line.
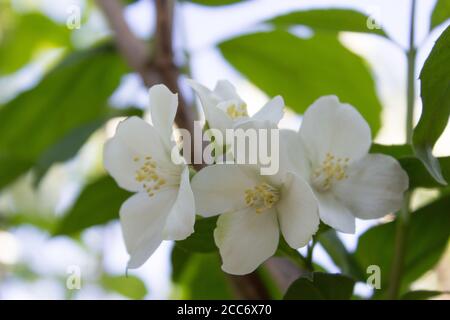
x,y
73,94
339,254
202,240
286,251
179,259
420,295
397,151
45,222
128,286
302,70
435,92
98,203
441,13
66,148
214,3
333,20
202,278
12,166
69,145
419,176
323,286
424,152
427,238
24,36
322,229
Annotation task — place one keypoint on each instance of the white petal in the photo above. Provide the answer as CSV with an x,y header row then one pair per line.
x,y
206,96
374,187
334,213
271,111
134,138
338,128
246,239
293,156
163,108
118,161
297,212
216,118
251,152
181,219
221,188
224,90
142,219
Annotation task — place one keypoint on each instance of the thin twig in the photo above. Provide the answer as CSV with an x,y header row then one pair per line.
x,y
164,61
134,51
158,68
283,272
402,221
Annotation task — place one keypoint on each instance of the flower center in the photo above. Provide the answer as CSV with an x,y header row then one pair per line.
x,y
262,197
152,176
237,111
332,169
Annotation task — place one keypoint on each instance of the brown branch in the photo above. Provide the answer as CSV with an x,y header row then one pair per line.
x,y
134,51
164,62
161,69
283,271
249,286
157,69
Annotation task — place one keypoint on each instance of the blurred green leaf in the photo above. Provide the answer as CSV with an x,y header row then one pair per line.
x,y
302,70
179,259
202,278
441,13
328,20
435,92
73,94
69,145
427,238
24,36
323,286
66,148
129,286
339,254
25,272
40,220
12,166
202,240
420,295
214,3
98,203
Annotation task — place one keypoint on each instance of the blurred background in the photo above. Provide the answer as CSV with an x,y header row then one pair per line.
x,y
63,89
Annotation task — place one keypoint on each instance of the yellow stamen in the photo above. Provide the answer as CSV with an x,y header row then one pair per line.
x,y
262,197
148,174
332,169
237,111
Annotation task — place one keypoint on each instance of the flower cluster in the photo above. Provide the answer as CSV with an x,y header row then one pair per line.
x,y
325,174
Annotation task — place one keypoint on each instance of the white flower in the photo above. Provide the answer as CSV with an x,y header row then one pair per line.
x,y
138,157
224,108
254,209
331,153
